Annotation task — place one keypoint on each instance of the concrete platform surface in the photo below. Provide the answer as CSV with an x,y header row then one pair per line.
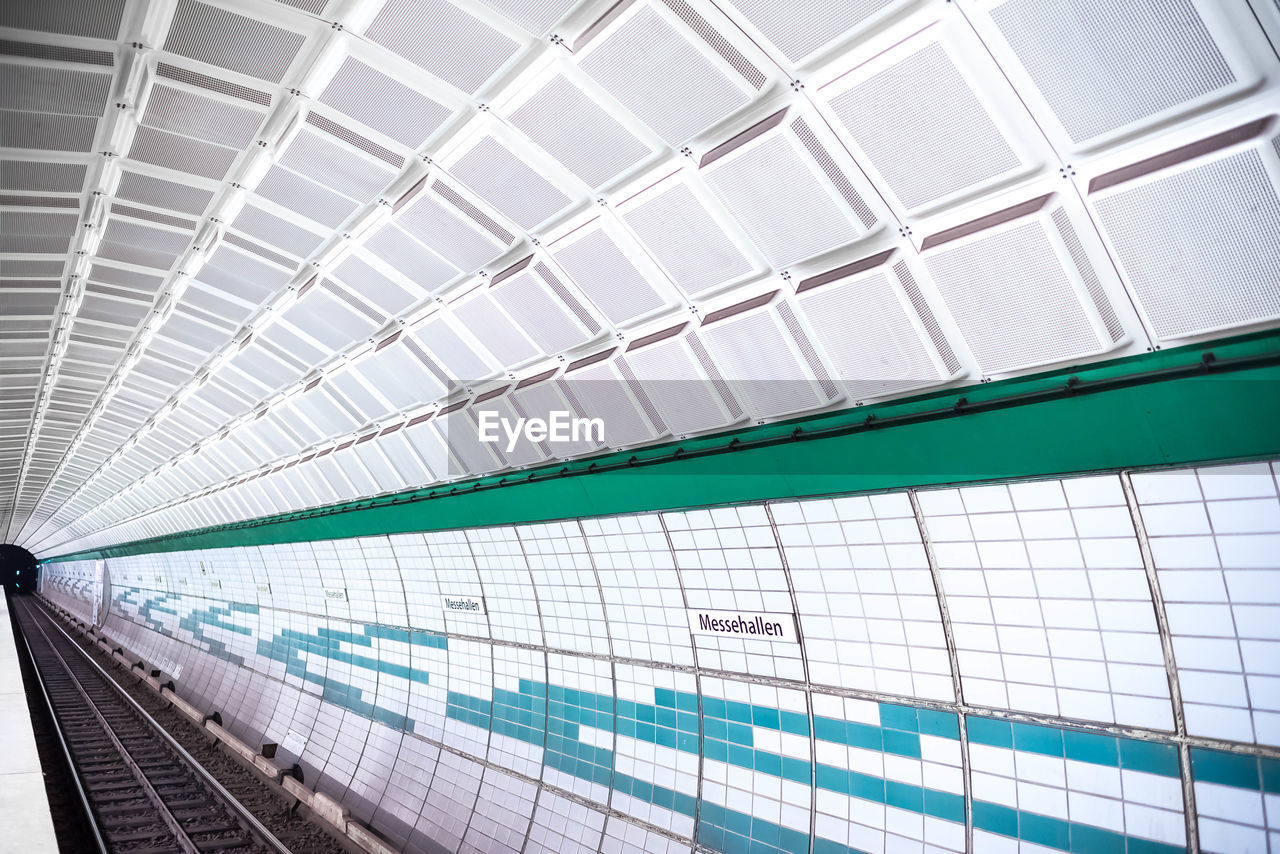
x,y
25,824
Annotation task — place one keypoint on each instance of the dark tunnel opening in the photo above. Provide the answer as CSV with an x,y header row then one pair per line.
x,y
19,569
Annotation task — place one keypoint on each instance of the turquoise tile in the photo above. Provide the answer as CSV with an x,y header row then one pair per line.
x,y
717,751
1151,757
1046,741
795,723
867,787
833,779
1270,775
738,712
739,734
765,717
684,804
903,796
793,841
714,707
901,743
995,818
1227,769
989,731
1086,839
646,713
716,728
766,832
864,735
1044,830
1091,747
944,805
1147,846
664,697
687,722
940,724
828,729
796,770
743,757
687,742
687,702
666,717
899,717
827,846
768,763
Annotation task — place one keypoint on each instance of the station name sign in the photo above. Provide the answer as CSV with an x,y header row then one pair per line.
x,y
463,604
740,624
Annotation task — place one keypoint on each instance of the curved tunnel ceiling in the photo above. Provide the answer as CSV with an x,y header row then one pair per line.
x,y
260,256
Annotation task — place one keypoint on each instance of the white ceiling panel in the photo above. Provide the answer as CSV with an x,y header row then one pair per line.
x,y
679,216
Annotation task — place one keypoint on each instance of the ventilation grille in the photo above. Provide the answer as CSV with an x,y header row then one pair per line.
x,y
785,209
1007,325
213,84
834,173
261,252
509,184
698,255
363,143
575,130
662,77
129,278
1198,247
421,356
39,201
607,276
963,150
274,231
353,301
383,103
227,40
1090,276
95,19
719,43
463,50
177,221
799,29
567,298
21,267
182,153
650,411
474,213
57,52
136,187
806,349
46,132
42,177
1076,52
315,7
717,382
940,342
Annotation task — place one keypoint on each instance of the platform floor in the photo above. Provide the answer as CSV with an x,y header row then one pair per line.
x,y
24,809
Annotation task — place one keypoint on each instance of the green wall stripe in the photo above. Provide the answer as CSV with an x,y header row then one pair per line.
x,y
1161,408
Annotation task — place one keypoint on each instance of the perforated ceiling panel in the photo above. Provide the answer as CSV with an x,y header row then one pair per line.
x,y
674,215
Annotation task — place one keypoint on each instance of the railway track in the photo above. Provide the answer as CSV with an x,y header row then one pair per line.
x,y
143,792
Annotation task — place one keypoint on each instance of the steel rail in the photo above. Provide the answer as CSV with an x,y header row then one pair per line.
x,y
82,795
265,836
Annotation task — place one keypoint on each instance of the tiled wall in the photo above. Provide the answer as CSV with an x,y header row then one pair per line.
x,y
584,710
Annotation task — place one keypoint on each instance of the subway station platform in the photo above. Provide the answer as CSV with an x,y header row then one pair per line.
x,y
24,809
